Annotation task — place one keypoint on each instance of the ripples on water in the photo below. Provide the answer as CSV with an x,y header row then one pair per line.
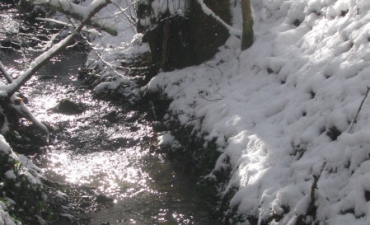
x,y
92,152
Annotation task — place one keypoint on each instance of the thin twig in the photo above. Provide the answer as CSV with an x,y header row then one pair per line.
x,y
358,111
312,208
123,11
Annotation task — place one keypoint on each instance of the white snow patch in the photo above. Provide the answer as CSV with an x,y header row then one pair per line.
x,y
166,139
61,195
10,174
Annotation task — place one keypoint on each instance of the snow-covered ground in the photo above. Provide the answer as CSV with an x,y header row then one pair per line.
x,y
281,111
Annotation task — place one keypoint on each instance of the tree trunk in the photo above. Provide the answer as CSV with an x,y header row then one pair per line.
x,y
247,36
177,42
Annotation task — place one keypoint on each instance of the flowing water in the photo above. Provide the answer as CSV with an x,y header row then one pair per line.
x,y
103,150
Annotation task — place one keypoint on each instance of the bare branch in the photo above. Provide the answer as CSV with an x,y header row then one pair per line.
x,y
358,111
131,20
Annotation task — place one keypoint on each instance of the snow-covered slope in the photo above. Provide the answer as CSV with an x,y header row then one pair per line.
x,y
282,111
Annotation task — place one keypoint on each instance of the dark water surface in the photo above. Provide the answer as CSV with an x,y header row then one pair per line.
x,y
104,152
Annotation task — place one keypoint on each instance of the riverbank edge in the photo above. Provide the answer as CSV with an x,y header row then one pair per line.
x,y
196,153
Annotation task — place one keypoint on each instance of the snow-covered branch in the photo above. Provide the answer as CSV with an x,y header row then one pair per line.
x,y
77,11
92,31
208,11
18,104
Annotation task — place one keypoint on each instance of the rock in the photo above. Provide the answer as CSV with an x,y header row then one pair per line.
x,y
66,106
111,117
102,199
134,128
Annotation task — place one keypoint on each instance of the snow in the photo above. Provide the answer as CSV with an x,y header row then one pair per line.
x,y
10,174
4,146
32,172
5,219
61,195
166,139
172,6
277,103
26,167
280,110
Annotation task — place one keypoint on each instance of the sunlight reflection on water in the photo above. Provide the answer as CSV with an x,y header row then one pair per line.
x,y
108,157
111,172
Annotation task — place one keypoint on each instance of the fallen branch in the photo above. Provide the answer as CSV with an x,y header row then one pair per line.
x,y
92,31
17,102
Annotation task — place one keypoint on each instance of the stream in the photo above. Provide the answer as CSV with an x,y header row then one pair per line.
x,y
105,150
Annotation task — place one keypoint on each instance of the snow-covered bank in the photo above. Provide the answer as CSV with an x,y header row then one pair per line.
x,y
282,111
20,185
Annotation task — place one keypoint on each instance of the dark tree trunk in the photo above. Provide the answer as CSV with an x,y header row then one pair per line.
x,y
248,35
178,42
